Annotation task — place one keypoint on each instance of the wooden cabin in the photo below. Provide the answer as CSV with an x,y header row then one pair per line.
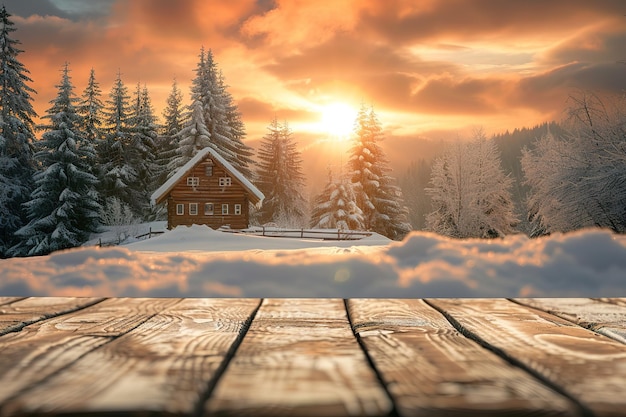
x,y
208,190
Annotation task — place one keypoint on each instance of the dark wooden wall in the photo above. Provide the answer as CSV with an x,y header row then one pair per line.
x,y
208,191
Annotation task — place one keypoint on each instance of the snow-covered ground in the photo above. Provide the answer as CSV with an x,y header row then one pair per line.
x,y
199,262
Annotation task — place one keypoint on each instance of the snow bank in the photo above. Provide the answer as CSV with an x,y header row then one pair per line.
x,y
199,262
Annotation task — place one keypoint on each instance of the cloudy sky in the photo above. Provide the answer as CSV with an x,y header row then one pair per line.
x,y
426,66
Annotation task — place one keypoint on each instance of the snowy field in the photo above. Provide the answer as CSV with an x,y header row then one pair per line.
x,y
199,262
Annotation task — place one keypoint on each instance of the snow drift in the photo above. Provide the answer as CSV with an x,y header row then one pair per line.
x,y
200,262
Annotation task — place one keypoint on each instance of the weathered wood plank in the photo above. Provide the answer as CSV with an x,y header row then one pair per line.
x,y
164,365
578,362
23,312
42,349
607,319
9,300
298,358
431,369
618,301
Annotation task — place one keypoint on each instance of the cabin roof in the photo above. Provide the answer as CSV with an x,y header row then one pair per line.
x,y
163,190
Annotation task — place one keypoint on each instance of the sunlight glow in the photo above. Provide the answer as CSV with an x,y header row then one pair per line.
x,y
337,119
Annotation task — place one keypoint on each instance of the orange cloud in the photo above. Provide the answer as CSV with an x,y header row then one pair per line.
x,y
509,64
296,23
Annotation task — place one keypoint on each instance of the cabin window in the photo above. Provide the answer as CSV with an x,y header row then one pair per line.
x,y
238,209
193,181
208,209
180,209
224,208
225,181
193,209
208,170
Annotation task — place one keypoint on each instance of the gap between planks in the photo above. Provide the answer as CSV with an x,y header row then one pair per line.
x,y
581,363
432,369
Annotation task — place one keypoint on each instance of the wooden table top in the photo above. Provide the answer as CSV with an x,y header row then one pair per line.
x,y
312,357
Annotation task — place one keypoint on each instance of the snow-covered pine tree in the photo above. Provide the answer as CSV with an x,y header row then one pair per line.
x,y
335,207
280,178
63,209
210,120
578,179
377,195
195,134
16,136
243,152
167,141
141,151
90,109
470,192
116,172
173,117
446,193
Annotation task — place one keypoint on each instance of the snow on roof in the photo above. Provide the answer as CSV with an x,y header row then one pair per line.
x,y
182,171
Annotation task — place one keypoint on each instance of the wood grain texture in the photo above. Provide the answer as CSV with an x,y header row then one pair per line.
x,y
299,358
617,301
605,318
583,364
22,312
46,347
163,365
9,300
431,369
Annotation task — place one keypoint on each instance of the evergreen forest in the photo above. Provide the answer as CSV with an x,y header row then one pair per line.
x,y
97,156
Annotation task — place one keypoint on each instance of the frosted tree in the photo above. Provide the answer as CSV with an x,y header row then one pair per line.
x,y
335,207
243,152
196,134
470,192
167,141
280,177
90,109
63,209
578,178
16,135
141,150
116,172
119,218
377,195
413,183
173,117
212,120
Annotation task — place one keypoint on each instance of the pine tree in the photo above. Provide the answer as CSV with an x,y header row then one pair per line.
x,y
16,136
237,129
173,114
195,134
280,178
377,195
335,207
212,120
116,172
166,142
470,192
141,151
90,109
63,209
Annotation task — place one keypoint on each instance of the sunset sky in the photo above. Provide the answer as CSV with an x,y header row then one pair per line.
x,y
426,66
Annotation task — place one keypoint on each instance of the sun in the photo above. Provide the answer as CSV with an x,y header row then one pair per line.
x,y
337,119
